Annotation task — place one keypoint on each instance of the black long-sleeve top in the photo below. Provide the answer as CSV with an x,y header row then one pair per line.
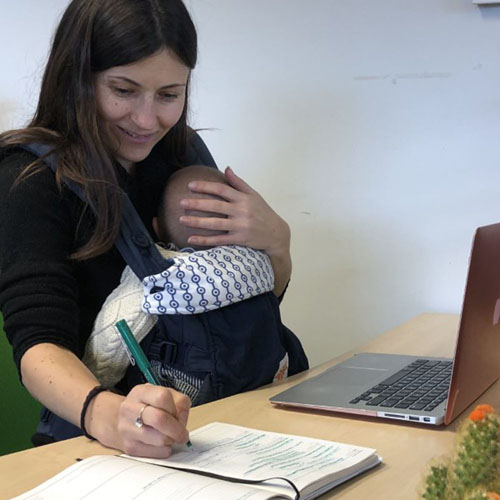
x,y
45,296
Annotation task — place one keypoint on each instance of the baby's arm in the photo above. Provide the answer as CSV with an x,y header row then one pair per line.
x,y
105,355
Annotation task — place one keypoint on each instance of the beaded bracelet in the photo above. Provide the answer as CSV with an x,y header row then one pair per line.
x,y
90,396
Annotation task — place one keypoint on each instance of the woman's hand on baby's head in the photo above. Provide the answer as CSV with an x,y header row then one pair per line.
x,y
249,220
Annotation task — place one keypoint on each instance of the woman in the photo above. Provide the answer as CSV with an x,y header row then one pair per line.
x,y
113,105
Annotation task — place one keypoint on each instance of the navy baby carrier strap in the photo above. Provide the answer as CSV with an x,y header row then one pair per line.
x,y
134,241
206,356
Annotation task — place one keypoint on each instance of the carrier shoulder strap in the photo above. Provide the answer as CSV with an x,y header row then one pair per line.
x,y
197,152
133,242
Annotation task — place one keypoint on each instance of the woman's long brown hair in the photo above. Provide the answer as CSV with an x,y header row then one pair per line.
x,y
92,36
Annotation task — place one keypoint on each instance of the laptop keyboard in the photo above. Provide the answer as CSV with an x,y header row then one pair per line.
x,y
422,385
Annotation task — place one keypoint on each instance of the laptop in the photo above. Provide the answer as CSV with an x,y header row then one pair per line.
x,y
419,389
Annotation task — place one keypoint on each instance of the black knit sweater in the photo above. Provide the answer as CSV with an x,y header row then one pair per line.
x,y
45,296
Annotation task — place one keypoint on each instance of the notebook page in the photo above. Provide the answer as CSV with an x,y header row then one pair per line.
x,y
240,452
107,476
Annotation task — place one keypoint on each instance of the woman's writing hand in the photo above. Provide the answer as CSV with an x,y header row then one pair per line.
x,y
59,379
151,419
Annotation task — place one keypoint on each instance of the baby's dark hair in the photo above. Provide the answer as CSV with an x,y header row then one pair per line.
x,y
170,230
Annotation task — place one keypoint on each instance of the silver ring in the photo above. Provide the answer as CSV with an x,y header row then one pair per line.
x,y
138,421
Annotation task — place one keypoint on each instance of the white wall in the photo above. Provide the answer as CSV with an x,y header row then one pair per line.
x,y
372,127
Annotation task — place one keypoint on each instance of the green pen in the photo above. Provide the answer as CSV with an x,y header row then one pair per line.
x,y
136,355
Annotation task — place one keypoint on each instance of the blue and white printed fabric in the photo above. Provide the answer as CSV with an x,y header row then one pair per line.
x,y
208,279
219,276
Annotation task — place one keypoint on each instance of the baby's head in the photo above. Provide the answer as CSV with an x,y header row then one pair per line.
x,y
167,225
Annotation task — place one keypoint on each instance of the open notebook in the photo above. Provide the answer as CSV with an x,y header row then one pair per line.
x,y
225,462
412,388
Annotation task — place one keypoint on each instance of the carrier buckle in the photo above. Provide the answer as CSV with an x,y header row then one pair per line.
x,y
168,351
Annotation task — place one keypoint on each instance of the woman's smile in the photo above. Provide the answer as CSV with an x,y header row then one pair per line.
x,y
137,138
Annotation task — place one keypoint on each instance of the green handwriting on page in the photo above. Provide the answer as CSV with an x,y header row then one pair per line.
x,y
232,453
313,465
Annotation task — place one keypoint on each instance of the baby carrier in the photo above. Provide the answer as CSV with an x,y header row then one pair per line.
x,y
221,352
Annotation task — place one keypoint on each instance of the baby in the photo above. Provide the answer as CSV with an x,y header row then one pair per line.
x,y
195,280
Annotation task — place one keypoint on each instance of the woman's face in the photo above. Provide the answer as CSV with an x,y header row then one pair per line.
x,y
139,103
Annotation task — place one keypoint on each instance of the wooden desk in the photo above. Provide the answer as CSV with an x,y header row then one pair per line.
x,y
405,448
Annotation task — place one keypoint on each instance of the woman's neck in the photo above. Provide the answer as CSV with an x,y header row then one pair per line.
x,y
128,166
